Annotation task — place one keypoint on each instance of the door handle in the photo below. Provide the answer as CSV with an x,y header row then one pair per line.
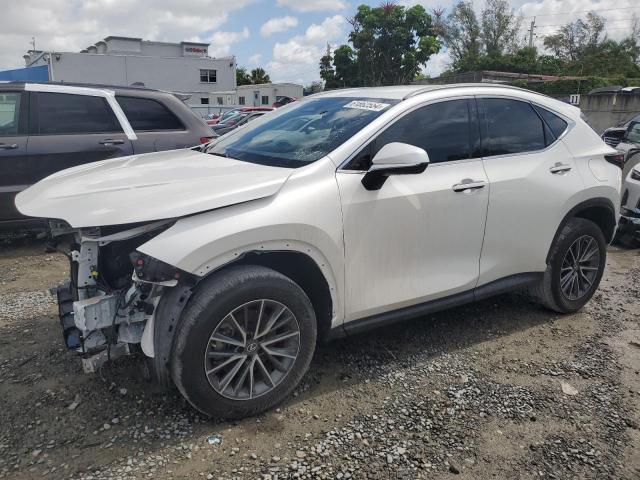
x,y
560,168
111,141
467,185
8,146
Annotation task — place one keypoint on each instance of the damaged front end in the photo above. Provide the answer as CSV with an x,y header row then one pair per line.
x,y
108,307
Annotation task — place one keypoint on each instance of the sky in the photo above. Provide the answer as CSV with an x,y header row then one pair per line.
x,y
286,37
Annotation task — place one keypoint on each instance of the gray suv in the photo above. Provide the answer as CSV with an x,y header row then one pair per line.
x,y
45,128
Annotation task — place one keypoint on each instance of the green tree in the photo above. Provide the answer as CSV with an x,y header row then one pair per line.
x,y
500,26
327,73
461,33
389,45
258,75
242,77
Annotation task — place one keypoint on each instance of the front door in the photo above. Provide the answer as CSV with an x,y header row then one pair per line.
x,y
14,168
256,98
419,237
69,130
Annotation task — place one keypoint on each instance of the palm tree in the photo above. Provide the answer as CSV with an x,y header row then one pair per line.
x,y
258,75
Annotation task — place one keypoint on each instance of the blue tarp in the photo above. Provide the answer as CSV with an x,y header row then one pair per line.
x,y
27,74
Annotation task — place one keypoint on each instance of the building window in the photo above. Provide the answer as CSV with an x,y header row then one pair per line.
x,y
220,101
240,100
208,76
204,101
265,99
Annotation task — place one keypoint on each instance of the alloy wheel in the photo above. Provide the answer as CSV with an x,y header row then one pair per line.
x,y
579,267
252,349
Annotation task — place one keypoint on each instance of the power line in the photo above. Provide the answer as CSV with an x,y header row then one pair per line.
x,y
582,11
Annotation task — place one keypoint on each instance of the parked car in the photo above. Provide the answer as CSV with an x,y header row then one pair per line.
x,y
629,227
45,128
238,120
349,210
235,111
282,100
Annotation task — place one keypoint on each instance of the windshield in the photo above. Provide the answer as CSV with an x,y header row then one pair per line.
x,y
302,133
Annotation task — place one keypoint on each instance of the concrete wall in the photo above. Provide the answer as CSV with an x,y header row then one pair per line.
x,y
176,74
608,109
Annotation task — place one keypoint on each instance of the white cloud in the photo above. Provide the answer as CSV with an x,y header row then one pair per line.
x,y
276,25
221,42
437,63
255,60
297,59
313,5
73,25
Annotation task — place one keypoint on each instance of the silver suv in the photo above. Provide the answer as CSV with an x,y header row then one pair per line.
x,y
341,212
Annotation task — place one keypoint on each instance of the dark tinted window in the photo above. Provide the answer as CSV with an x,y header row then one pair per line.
x,y
555,123
62,113
147,114
511,127
443,129
9,113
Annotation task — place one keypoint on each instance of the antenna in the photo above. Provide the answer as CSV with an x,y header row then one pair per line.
x,y
33,43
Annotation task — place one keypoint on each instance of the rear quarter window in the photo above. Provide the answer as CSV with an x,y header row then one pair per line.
x,y
556,124
145,114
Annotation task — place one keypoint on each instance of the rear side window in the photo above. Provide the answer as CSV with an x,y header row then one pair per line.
x,y
443,129
510,127
553,121
145,114
9,113
62,113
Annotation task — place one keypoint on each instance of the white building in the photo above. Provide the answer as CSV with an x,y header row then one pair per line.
x,y
183,67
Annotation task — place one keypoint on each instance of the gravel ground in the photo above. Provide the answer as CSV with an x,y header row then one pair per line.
x,y
499,389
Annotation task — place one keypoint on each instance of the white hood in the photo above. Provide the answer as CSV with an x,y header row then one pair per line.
x,y
148,187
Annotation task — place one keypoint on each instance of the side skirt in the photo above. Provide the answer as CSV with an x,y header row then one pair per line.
x,y
497,287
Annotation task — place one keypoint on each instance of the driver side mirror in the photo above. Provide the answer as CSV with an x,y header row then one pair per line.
x,y
394,159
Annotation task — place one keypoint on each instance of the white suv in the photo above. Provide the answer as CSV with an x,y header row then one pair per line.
x,y
338,213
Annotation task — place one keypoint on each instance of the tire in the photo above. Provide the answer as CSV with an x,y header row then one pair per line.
x,y
253,291
549,291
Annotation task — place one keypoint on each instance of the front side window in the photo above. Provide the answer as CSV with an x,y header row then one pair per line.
x,y
302,133
9,113
208,76
62,113
510,127
145,114
444,130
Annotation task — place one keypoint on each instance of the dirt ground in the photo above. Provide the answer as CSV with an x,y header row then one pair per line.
x,y
499,389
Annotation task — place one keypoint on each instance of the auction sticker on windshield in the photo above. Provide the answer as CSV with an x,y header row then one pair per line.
x,y
364,105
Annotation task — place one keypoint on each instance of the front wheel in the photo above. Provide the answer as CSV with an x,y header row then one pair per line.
x,y
244,342
576,265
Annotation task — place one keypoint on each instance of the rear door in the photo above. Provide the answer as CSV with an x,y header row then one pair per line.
x,y
533,177
14,168
156,127
68,130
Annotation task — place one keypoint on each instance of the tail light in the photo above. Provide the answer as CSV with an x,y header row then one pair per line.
x,y
205,139
616,159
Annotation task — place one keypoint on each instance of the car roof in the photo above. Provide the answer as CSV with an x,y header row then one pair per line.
x,y
118,89
403,92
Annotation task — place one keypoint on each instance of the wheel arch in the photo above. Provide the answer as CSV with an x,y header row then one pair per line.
x,y
599,210
304,271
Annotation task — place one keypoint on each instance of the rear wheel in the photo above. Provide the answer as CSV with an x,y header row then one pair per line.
x,y
575,267
244,342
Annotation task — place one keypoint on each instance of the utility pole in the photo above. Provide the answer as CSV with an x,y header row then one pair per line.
x,y
531,29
